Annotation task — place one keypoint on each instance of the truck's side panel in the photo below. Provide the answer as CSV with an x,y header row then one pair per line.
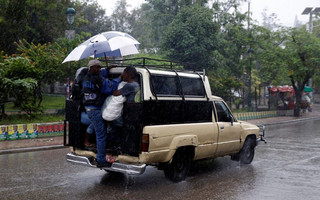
x,y
229,138
165,139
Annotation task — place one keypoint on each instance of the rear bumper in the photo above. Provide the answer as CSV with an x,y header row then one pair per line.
x,y
131,169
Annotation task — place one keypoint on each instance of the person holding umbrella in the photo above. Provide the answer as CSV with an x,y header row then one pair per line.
x,y
94,86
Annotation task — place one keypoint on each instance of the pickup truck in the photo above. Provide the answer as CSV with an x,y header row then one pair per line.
x,y
174,121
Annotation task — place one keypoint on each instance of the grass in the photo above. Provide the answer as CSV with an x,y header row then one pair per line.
x,y
48,102
23,119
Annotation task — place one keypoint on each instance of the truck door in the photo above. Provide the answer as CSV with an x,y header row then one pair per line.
x,y
229,130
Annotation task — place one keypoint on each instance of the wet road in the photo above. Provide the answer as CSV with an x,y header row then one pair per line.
x,y
286,168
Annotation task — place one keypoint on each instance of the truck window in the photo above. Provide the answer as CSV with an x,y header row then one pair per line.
x,y
165,85
169,86
192,86
224,115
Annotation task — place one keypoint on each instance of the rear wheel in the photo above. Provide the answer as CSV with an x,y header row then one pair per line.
x,y
178,169
247,152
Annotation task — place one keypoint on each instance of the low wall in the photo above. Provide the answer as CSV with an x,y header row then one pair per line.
x,y
31,131
255,115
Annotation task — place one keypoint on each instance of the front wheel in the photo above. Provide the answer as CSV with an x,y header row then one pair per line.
x,y
247,152
178,169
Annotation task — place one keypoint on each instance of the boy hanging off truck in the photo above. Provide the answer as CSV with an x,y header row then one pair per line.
x,y
112,111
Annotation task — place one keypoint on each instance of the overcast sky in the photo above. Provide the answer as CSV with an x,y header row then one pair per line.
x,y
286,10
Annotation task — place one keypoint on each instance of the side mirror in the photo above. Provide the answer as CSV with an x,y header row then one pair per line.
x,y
231,120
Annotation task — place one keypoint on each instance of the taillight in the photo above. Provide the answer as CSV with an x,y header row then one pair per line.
x,y
145,142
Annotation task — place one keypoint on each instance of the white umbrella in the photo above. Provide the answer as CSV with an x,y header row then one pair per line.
x,y
111,43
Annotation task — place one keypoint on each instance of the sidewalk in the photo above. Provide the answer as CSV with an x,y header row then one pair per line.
x,y
289,119
57,141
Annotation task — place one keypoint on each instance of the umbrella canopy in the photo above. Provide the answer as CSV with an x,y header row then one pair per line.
x,y
274,89
285,88
307,89
111,43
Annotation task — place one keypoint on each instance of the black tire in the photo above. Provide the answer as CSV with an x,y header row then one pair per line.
x,y
179,168
247,152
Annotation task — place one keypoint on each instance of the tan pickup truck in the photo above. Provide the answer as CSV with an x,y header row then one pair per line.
x,y
174,121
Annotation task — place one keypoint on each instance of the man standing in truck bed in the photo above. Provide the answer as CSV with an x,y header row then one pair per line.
x,y
93,88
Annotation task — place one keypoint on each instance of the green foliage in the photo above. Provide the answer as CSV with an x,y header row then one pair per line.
x,y
25,95
302,56
44,21
35,21
238,101
91,17
17,67
190,38
151,21
222,84
47,59
120,17
270,54
152,60
6,86
232,40
14,85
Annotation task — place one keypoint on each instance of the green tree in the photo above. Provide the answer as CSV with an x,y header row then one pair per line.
x,y
44,21
231,61
270,54
233,39
35,21
191,37
13,84
303,59
141,27
223,85
91,18
12,23
157,14
121,17
47,59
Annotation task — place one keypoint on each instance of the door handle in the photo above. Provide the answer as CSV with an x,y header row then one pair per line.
x,y
221,127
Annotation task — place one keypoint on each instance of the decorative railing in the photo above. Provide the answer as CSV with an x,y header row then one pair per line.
x,y
255,115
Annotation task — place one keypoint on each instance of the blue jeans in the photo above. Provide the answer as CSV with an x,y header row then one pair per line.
x,y
85,120
101,133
